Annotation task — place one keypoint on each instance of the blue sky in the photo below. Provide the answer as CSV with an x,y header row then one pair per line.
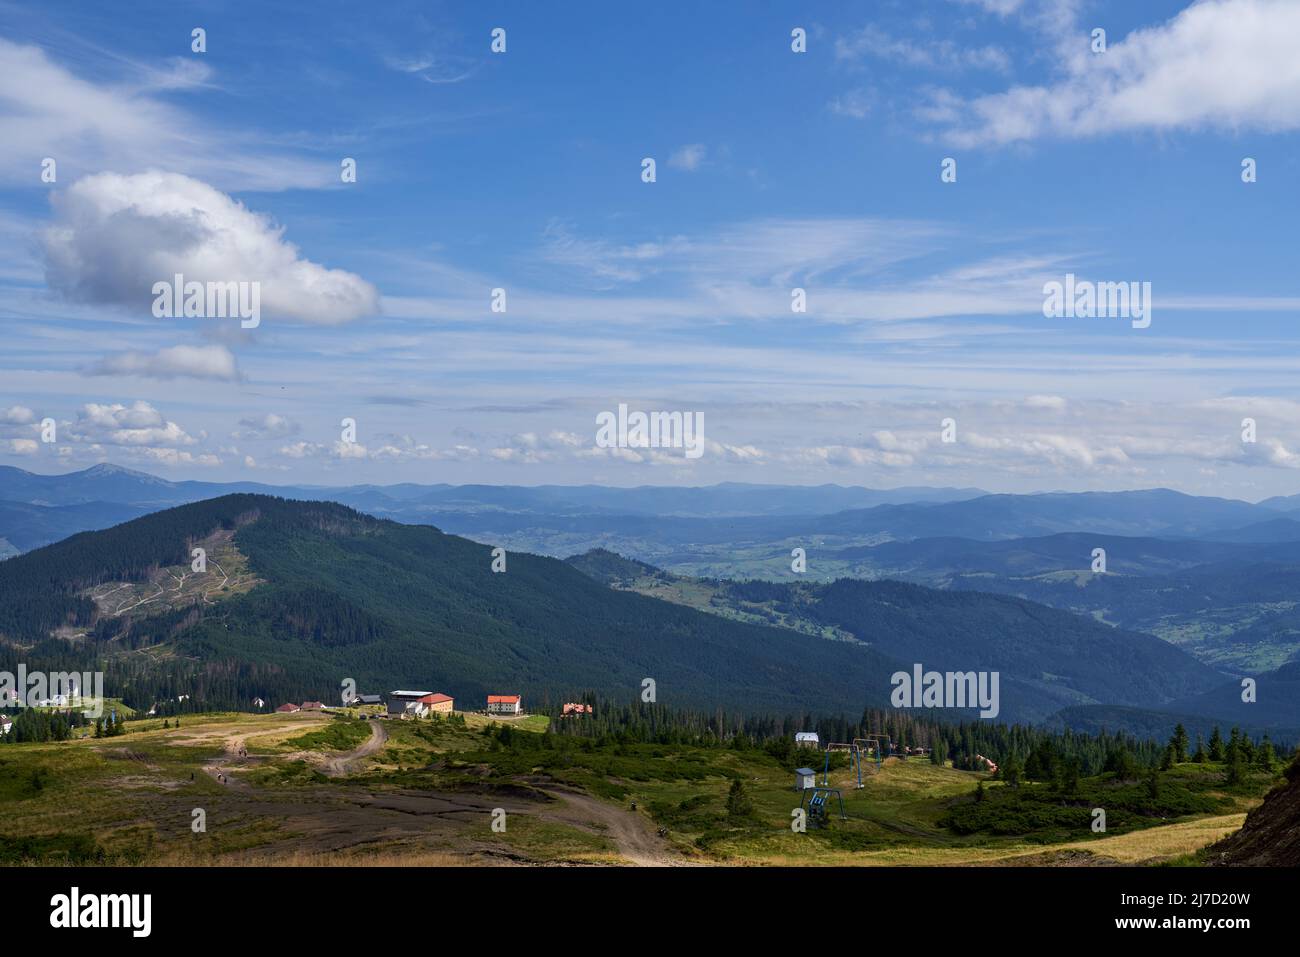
x,y
775,170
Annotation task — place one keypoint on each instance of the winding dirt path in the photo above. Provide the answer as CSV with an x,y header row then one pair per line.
x,y
631,833
338,766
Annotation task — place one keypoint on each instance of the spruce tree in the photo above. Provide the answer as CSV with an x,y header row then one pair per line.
x,y
1179,742
1266,757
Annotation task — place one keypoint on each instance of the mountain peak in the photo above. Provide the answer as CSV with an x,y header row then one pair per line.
x,y
108,470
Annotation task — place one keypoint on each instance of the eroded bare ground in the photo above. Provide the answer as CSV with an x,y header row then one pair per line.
x,y
345,823
633,834
178,586
357,824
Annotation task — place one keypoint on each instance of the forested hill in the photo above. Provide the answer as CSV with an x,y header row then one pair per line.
x,y
338,595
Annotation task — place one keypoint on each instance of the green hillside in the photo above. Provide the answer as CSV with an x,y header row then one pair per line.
x,y
341,595
1048,659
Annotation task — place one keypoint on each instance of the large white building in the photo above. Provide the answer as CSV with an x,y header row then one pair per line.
x,y
404,702
505,704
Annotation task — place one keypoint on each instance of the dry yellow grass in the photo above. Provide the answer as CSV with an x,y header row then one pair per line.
x,y
1150,845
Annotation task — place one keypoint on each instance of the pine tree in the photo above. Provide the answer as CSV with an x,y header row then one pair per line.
x,y
1179,741
739,803
1216,745
1266,757
938,752
1070,775
1236,768
1199,757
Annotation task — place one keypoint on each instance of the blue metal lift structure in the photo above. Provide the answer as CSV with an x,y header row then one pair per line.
x,y
816,799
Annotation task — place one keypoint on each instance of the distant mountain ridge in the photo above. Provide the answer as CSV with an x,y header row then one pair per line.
x,y
696,526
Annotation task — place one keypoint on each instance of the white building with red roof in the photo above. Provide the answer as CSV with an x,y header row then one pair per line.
x,y
505,704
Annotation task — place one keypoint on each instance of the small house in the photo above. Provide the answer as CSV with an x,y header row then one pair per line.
x,y
505,704
368,699
259,703
570,709
288,708
806,739
313,706
804,779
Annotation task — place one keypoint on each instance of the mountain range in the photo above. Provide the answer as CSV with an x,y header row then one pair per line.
x,y
1213,578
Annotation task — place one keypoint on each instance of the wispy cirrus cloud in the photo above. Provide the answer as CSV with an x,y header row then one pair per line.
x,y
128,125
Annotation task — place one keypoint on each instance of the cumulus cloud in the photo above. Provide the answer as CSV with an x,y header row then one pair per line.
x,y
269,426
114,236
530,448
393,449
139,425
193,362
23,446
1226,65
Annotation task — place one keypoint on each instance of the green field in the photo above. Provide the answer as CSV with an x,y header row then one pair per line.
x,y
429,793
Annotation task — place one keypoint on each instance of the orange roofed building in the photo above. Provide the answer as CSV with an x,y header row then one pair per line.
x,y
439,702
505,704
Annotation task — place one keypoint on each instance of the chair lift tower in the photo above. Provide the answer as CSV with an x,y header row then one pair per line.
x,y
855,757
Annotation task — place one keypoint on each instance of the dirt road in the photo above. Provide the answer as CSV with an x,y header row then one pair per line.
x,y
337,767
631,833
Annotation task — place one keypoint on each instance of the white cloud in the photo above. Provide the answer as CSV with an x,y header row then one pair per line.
x,y
930,53
175,457
125,125
139,424
1001,7
688,158
303,450
194,362
269,426
17,415
438,69
855,103
1224,65
114,236
23,446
